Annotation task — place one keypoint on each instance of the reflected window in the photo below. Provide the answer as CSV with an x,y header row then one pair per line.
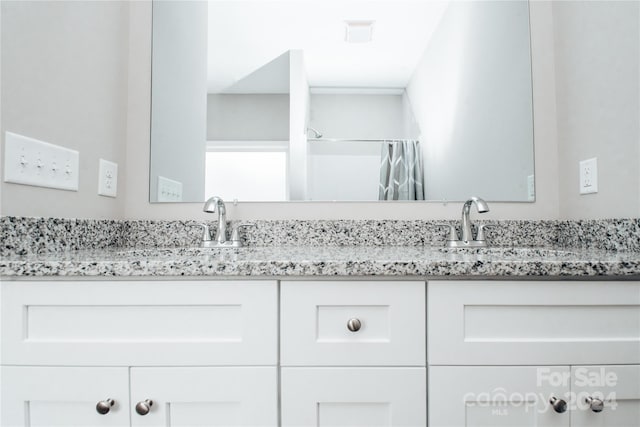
x,y
255,172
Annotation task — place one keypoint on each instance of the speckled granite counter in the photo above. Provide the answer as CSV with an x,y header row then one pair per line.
x,y
351,261
49,247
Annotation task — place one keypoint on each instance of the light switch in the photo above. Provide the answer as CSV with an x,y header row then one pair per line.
x,y
589,176
29,161
107,178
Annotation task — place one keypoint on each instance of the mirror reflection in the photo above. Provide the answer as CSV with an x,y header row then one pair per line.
x,y
349,100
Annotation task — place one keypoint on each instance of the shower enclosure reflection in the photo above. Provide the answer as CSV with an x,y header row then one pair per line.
x,y
273,106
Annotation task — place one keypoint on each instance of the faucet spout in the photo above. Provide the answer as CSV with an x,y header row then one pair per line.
x,y
481,206
211,205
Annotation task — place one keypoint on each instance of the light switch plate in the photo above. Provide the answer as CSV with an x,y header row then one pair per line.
x,y
29,161
589,176
169,190
108,178
531,188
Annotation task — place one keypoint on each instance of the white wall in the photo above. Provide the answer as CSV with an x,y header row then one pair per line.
x,y
358,116
248,117
598,98
138,111
471,94
545,207
344,170
298,175
64,81
411,128
179,110
103,25
592,117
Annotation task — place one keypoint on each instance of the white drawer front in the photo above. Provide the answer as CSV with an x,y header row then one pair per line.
x,y
139,323
354,397
315,317
515,323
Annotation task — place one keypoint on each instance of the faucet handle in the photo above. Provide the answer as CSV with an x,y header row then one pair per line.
x,y
206,233
481,234
453,234
235,232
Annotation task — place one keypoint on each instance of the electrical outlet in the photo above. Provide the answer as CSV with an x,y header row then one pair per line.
x,y
29,161
108,178
169,190
589,176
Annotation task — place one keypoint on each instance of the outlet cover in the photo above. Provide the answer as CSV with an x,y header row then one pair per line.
x,y
29,161
531,188
589,176
108,178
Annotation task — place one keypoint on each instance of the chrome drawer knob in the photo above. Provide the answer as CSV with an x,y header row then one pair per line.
x,y
595,404
143,408
558,405
354,325
104,406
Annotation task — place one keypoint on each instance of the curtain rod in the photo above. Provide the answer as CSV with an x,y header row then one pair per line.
x,y
355,140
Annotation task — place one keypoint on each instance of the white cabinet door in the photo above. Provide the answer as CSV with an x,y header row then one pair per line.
x,y
210,397
616,386
510,396
354,397
47,397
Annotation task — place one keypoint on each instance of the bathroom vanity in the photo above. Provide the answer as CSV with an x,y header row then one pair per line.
x,y
126,322
321,336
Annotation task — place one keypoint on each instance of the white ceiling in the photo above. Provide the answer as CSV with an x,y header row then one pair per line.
x,y
245,35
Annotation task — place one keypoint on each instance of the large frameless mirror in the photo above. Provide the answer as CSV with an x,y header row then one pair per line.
x,y
349,100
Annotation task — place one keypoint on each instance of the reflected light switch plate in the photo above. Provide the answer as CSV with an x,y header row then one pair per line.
x,y
169,190
531,188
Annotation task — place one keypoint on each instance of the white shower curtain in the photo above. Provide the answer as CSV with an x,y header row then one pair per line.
x,y
401,174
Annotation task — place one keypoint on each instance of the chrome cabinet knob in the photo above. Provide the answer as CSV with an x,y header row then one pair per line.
x,y
558,405
143,408
595,404
354,324
104,406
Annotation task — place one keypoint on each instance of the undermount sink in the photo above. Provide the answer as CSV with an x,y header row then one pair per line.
x,y
512,252
191,251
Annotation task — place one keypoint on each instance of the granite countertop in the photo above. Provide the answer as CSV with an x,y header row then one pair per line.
x,y
297,261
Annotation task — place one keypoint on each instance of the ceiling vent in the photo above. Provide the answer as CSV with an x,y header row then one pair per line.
x,y
358,31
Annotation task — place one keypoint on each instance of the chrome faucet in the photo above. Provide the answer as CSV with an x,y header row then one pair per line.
x,y
481,206
466,240
212,205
